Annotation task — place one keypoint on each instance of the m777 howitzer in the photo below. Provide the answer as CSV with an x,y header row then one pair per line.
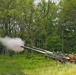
x,y
57,56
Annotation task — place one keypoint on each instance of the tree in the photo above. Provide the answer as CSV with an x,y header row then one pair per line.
x,y
45,16
68,21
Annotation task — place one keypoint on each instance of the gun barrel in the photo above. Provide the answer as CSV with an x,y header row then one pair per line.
x,y
34,49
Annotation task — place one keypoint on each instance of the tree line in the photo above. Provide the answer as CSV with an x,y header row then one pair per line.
x,y
42,24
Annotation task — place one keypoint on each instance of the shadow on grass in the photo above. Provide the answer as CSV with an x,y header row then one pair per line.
x,y
11,67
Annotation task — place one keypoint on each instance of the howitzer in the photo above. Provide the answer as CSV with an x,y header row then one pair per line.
x,y
58,56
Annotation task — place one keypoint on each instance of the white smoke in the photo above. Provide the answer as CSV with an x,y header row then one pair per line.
x,y
13,43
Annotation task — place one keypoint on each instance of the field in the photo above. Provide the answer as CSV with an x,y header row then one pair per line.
x,y
20,64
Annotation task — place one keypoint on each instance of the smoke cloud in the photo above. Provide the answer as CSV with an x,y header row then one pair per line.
x,y
12,43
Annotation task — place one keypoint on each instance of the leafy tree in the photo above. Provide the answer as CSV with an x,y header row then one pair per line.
x,y
68,21
45,16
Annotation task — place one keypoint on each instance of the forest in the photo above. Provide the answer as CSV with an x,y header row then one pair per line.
x,y
45,24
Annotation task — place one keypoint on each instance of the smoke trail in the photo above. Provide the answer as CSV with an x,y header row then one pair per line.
x,y
13,43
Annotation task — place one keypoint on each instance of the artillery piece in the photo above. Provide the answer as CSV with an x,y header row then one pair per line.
x,y
57,56
17,45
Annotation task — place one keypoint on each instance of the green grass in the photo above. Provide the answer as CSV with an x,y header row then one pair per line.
x,y
67,69
36,65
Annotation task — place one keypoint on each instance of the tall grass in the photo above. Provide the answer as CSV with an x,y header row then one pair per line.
x,y
67,69
36,65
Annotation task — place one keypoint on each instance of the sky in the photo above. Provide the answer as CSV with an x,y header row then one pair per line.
x,y
56,1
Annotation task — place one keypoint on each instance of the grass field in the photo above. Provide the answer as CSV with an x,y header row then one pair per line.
x,y
36,65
